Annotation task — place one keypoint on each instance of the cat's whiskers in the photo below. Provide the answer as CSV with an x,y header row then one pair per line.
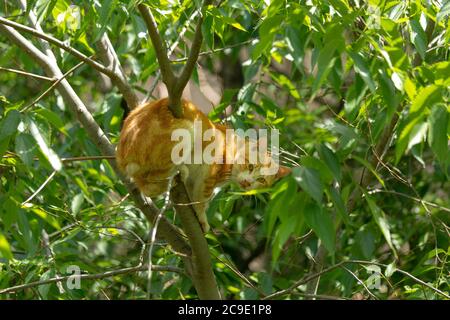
x,y
294,155
193,202
300,148
283,156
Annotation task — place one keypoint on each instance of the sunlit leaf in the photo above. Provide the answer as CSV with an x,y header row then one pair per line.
x,y
46,150
5,248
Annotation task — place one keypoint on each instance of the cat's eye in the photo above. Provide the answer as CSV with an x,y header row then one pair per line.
x,y
261,180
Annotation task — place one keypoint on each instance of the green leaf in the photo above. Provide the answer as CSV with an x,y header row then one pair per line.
x,y
325,174
51,117
366,164
388,92
295,45
43,215
284,81
48,152
324,63
403,139
320,221
5,249
25,148
437,133
284,231
105,11
77,202
291,218
418,37
426,97
309,180
390,269
331,161
339,205
267,30
283,193
444,12
365,242
4,145
418,134
9,124
225,19
28,239
380,220
362,69
44,289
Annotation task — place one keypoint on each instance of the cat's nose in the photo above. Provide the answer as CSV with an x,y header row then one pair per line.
x,y
245,184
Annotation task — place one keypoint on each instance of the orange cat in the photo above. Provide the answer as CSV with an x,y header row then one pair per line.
x,y
146,153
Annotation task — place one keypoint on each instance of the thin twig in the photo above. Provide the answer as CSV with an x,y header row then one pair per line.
x,y
175,85
171,50
159,46
318,296
166,231
213,51
28,74
153,238
60,44
40,188
193,52
428,203
360,282
73,159
96,276
54,84
111,60
308,278
69,159
50,255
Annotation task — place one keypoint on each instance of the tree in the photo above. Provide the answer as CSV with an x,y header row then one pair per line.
x,y
359,92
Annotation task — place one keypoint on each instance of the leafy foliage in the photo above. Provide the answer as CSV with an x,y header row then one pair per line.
x,y
359,91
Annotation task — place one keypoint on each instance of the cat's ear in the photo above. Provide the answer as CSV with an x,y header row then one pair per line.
x,y
282,172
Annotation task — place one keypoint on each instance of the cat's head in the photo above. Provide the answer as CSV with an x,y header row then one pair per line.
x,y
254,168
254,176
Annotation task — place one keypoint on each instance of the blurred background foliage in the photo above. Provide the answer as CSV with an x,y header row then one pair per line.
x,y
356,88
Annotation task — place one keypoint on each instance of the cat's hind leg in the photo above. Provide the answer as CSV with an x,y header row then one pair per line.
x,y
198,186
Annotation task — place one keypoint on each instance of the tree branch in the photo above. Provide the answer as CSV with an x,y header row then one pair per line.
x,y
96,276
200,262
196,257
54,84
202,273
168,76
109,57
193,55
59,44
175,85
167,231
113,70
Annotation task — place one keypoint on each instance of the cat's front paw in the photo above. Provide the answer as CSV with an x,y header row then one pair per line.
x,y
205,226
